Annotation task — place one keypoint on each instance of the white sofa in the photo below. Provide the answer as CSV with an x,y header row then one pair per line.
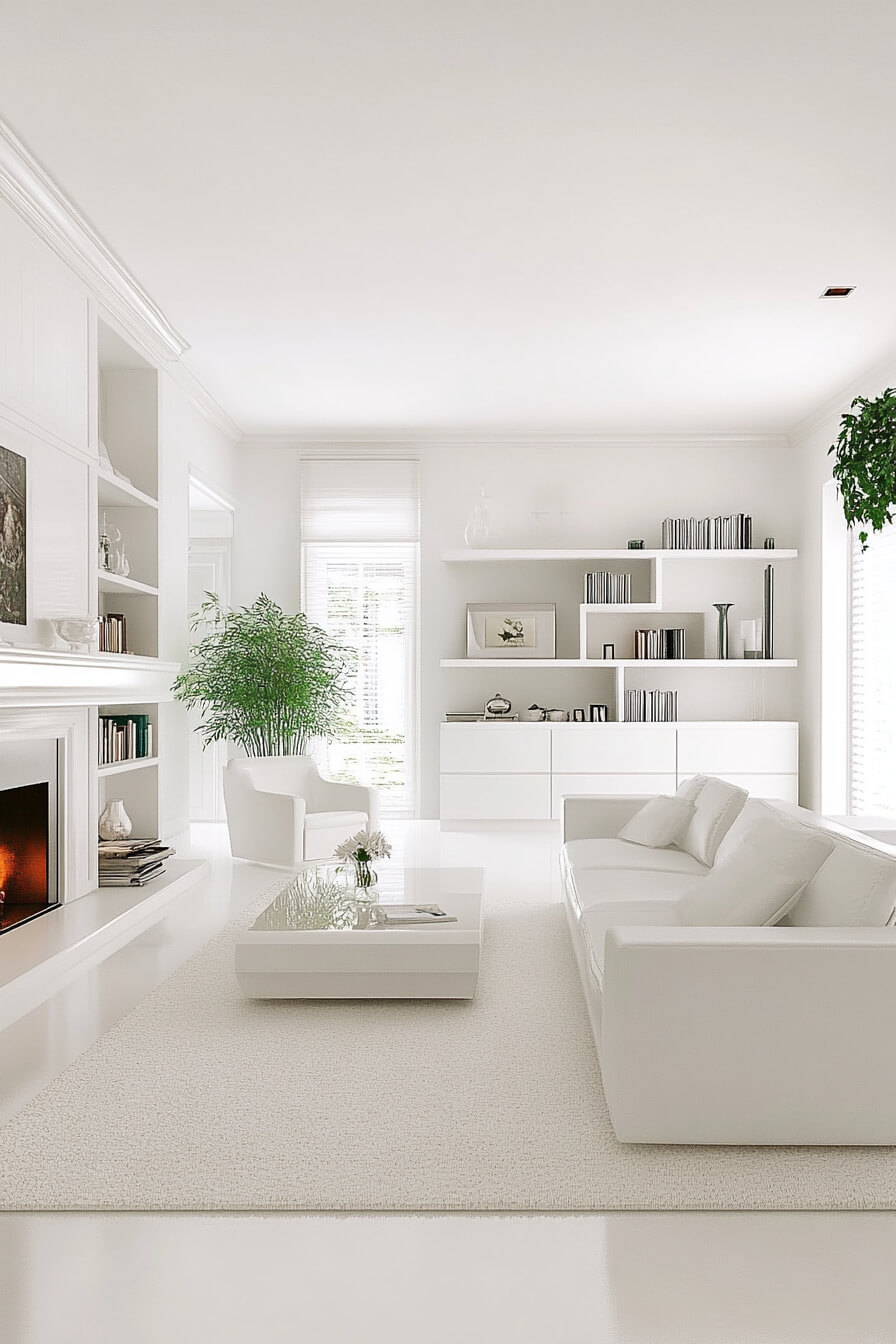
x,y
735,1035
280,811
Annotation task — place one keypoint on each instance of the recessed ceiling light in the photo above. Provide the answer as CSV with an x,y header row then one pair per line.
x,y
838,291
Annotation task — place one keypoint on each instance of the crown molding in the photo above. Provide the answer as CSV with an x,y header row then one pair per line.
x,y
384,438
831,410
33,194
204,402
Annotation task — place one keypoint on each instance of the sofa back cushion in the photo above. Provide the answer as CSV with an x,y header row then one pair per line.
x,y
660,822
761,877
716,807
854,888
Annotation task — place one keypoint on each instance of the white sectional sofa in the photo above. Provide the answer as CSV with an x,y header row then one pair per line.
x,y
731,1034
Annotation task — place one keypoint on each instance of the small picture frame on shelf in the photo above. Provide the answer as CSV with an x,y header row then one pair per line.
x,y
609,651
599,713
578,716
511,630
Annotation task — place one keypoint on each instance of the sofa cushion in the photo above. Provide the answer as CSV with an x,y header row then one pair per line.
x,y
660,822
716,805
760,879
625,914
608,886
854,888
614,853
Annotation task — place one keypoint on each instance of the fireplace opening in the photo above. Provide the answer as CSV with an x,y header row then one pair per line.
x,y
27,866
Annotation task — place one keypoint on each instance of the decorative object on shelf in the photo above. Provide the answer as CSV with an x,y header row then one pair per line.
x,y
534,714
603,587
557,715
733,532
104,557
106,465
360,850
263,679
661,643
13,548
512,630
498,707
768,544
120,563
751,634
651,706
477,533
76,631
722,639
599,713
865,465
636,545
114,822
578,716
768,612
609,651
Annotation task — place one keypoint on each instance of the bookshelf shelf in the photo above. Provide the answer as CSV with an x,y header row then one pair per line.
x,y
117,583
729,664
122,767
113,492
458,557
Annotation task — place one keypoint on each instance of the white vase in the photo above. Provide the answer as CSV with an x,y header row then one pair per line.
x,y
114,823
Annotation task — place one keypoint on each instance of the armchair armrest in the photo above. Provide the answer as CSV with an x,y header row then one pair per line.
x,y
349,798
595,816
265,826
750,1035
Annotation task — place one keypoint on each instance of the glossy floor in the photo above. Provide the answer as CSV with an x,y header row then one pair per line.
x,y
623,1278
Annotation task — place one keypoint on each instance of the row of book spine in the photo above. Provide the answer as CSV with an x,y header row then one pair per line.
x,y
602,586
113,633
125,737
733,532
662,643
651,706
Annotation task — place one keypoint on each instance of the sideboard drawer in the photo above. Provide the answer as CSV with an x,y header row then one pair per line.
x,y
484,797
784,786
563,785
743,748
495,748
614,748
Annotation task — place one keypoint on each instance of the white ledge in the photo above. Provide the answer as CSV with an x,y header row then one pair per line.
x,y
31,677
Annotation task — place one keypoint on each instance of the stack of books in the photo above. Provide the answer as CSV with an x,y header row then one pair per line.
x,y
113,633
602,587
131,863
651,706
663,643
731,533
124,737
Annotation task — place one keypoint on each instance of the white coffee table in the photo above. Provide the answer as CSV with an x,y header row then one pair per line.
x,y
280,957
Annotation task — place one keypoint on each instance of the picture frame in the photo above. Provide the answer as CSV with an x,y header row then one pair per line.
x,y
578,716
599,713
511,630
609,650
13,538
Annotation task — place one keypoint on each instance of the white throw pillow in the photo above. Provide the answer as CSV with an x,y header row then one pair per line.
x,y
658,823
716,807
763,876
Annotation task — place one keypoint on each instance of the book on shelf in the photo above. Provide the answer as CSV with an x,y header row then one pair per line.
x,y
124,737
661,643
113,633
731,532
651,706
602,587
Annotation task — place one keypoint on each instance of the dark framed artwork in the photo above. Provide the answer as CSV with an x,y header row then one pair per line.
x,y
13,572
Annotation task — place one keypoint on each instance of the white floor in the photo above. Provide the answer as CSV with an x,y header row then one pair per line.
x,y
623,1278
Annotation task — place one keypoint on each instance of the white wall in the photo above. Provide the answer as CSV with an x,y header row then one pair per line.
x,y
595,493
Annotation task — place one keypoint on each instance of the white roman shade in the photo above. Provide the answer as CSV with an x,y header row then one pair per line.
x,y
360,529
872,676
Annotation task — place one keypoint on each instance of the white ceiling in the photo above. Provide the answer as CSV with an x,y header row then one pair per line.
x,y
566,214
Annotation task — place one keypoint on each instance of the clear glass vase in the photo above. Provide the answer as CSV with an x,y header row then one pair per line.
x,y
477,533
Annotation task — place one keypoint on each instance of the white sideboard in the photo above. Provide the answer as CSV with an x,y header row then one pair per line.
x,y
521,771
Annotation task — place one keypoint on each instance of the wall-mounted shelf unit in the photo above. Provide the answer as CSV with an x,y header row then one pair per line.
x,y
463,556
122,767
670,664
121,583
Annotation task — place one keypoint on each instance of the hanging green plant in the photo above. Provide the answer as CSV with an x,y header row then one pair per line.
x,y
865,469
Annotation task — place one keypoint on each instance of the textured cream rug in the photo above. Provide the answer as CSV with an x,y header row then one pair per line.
x,y
199,1099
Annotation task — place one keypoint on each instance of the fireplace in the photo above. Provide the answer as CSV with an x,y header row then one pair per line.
x,y
28,833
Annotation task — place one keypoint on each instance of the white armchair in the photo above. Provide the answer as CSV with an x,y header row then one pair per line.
x,y
280,811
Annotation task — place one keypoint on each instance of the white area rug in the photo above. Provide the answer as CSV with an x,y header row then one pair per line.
x,y
199,1099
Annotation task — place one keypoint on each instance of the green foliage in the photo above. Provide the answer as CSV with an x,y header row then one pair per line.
x,y
265,680
865,469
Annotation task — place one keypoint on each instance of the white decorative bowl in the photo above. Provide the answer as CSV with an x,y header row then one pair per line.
x,y
75,630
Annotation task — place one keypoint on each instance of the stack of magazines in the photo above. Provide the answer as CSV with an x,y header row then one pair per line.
x,y
731,533
664,643
131,863
651,706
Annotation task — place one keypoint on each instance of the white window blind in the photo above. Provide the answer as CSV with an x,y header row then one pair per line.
x,y
360,528
872,676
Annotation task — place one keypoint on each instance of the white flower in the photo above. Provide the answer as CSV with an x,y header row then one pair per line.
x,y
363,847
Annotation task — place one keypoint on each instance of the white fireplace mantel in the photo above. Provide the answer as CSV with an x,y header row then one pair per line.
x,y
35,677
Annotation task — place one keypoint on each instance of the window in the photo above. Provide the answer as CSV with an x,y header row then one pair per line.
x,y
360,522
872,676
